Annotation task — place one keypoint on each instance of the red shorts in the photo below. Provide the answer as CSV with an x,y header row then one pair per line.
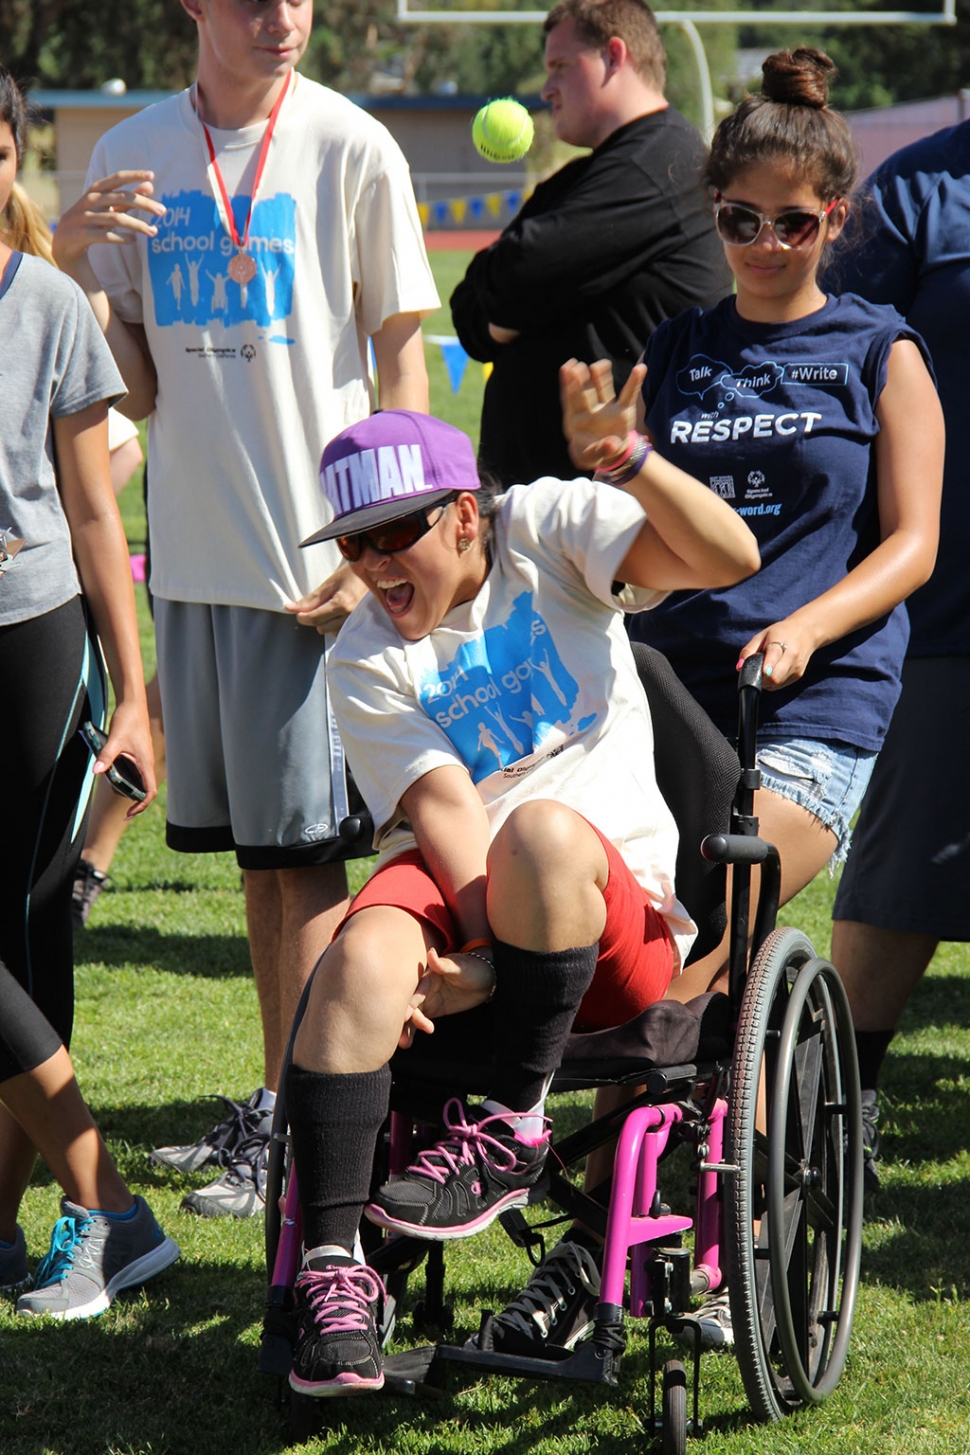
x,y
636,956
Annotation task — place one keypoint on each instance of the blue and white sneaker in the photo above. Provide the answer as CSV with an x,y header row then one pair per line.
x,y
14,1274
93,1257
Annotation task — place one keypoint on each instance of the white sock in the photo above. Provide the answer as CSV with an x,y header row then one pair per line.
x,y
325,1250
528,1126
333,1250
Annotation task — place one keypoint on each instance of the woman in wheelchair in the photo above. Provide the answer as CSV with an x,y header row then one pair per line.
x,y
489,705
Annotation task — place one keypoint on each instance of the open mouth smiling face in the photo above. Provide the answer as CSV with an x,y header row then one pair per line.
x,y
420,584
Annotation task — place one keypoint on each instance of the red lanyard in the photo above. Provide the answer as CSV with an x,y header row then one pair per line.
x,y
242,268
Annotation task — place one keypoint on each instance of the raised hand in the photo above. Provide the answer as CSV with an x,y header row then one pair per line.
x,y
596,420
107,213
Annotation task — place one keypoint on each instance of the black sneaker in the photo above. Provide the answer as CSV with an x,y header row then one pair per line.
x,y
338,1344
459,1186
88,884
217,1147
870,1141
556,1307
241,1190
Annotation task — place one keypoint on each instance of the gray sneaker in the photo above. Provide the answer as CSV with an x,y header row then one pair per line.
x,y
241,1190
714,1318
93,1257
14,1274
217,1148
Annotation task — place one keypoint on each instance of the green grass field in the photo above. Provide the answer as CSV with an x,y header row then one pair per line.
x,y
167,1015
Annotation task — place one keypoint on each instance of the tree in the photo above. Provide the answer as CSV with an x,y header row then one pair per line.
x,y
148,43
883,64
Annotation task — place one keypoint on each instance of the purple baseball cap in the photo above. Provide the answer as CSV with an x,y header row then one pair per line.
x,y
389,465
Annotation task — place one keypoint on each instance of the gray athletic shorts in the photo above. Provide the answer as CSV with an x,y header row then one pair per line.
x,y
909,865
255,762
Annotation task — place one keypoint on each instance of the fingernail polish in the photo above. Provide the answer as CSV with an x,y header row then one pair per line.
x,y
768,671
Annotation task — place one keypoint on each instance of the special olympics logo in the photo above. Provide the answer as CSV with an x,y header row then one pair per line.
x,y
248,352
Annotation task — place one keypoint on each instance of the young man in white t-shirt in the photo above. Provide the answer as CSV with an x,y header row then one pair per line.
x,y
251,235
490,706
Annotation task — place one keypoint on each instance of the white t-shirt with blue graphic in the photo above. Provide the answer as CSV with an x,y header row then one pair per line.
x,y
255,378
531,687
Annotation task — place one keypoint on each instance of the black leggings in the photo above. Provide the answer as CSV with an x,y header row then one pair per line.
x,y
27,1038
44,664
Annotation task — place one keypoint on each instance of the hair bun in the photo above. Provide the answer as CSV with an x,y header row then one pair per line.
x,y
798,78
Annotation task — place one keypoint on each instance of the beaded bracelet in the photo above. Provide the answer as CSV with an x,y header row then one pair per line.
x,y
476,956
629,465
472,949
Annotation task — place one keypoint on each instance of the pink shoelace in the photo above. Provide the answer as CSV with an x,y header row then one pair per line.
x,y
339,1297
465,1141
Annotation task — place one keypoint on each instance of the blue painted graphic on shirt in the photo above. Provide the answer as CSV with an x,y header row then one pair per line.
x,y
504,695
189,261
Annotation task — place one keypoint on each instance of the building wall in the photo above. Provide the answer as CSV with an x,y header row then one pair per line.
x,y
882,131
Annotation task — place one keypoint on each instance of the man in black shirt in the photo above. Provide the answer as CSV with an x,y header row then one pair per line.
x,y
603,251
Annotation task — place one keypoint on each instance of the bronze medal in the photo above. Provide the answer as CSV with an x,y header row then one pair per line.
x,y
242,269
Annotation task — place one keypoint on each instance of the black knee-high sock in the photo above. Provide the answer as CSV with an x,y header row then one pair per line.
x,y
334,1122
536,999
871,1048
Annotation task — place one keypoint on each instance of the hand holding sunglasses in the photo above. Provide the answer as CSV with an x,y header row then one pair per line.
x,y
796,227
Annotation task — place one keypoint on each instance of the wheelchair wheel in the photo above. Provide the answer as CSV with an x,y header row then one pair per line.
x,y
674,1408
815,1182
793,1215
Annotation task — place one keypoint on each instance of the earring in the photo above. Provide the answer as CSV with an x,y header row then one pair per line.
x,y
463,544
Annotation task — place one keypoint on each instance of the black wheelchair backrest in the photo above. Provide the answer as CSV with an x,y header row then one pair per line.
x,y
697,773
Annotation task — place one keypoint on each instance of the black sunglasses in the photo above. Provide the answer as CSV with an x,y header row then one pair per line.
x,y
796,227
395,536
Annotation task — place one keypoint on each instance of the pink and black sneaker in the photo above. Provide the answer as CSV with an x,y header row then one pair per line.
x,y
338,1343
479,1170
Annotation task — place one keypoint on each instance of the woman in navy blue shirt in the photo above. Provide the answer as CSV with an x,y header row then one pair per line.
x,y
817,418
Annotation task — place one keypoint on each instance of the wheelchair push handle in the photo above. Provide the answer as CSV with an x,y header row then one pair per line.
x,y
751,672
735,849
750,682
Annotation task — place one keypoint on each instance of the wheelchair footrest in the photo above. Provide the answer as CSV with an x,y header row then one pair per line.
x,y
414,1372
594,1362
275,1355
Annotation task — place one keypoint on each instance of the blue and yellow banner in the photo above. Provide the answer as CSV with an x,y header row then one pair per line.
x,y
456,211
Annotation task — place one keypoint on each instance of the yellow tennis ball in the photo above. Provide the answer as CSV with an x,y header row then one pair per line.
x,y
503,130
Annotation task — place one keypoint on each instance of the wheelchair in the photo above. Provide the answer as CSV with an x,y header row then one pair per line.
x,y
760,1087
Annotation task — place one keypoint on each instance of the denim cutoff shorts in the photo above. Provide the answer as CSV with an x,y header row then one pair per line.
x,y
825,777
